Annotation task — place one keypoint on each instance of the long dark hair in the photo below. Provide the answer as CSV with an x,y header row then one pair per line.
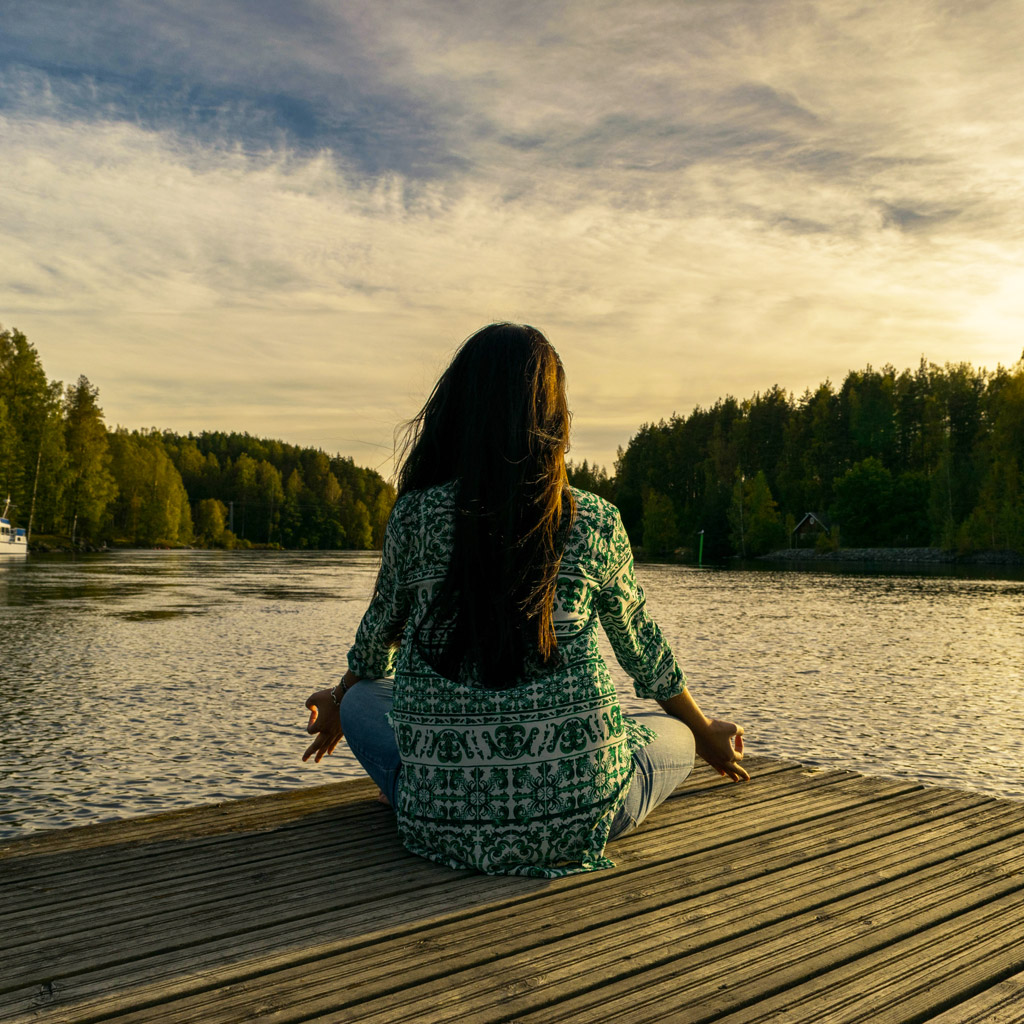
x,y
497,424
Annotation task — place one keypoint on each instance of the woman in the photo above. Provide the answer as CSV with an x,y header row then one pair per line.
x,y
499,741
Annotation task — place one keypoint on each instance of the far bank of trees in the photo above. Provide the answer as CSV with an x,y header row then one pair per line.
x,y
271,492
68,475
925,457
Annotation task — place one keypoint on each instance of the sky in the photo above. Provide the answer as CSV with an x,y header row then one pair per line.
x,y
283,217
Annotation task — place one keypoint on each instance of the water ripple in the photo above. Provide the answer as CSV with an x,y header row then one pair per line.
x,y
142,681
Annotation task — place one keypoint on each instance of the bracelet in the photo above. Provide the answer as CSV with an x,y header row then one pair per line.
x,y
335,696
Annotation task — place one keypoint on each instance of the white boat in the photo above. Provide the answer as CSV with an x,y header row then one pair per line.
x,y
13,542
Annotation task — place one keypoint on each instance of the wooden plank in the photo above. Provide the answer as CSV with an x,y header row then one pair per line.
x,y
117,855
113,868
210,918
156,913
223,870
246,814
907,979
281,810
647,967
118,864
913,809
216,882
794,962
464,973
648,845
195,848
1001,1003
54,964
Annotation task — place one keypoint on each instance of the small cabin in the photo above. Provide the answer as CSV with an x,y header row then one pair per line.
x,y
807,531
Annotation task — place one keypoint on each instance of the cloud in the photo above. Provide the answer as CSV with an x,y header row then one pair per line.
x,y
258,75
283,218
906,218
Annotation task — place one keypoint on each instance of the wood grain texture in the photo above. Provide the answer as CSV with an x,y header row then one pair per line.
x,y
805,896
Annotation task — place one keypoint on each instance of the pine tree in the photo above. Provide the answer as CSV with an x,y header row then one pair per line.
x,y
753,514
90,487
36,463
659,524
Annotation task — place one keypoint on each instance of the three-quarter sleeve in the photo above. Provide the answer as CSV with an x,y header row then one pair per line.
x,y
637,641
377,639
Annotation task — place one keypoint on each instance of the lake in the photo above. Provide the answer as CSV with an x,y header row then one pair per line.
x,y
140,681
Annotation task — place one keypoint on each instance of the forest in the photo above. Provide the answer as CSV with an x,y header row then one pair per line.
x,y
929,457
71,478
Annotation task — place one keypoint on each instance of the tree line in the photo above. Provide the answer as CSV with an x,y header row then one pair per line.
x,y
925,457
67,475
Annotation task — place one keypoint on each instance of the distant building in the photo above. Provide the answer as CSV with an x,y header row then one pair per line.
x,y
807,531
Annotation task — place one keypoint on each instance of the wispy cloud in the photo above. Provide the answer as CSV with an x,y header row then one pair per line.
x,y
282,218
258,75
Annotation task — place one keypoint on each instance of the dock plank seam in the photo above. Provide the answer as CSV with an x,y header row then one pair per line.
x,y
841,819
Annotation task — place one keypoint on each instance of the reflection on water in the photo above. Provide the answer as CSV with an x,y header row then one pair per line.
x,y
140,681
898,675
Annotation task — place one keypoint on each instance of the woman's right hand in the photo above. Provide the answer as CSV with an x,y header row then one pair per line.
x,y
720,743
324,723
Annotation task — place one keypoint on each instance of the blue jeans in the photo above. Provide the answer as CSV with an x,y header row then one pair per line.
x,y
658,768
368,732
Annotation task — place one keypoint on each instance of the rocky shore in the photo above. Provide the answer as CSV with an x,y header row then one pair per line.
x,y
52,547
896,556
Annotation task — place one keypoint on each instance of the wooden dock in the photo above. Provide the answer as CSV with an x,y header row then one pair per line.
x,y
806,896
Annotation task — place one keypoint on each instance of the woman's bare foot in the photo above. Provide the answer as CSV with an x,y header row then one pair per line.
x,y
382,799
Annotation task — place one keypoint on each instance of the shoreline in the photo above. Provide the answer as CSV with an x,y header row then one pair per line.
x,y
895,556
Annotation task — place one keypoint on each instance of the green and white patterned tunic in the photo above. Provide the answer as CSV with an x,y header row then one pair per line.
x,y
527,780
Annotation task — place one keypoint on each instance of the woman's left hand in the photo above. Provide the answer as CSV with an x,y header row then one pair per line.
x,y
325,722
